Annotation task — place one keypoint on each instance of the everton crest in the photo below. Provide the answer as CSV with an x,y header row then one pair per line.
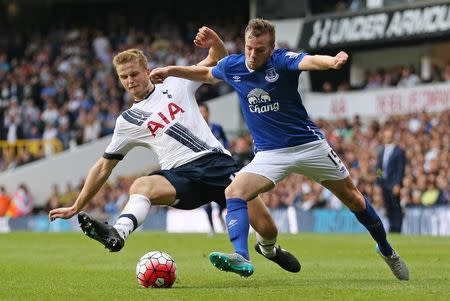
x,y
271,75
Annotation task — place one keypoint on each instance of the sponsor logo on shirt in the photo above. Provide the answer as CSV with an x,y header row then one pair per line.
x,y
259,101
164,118
236,79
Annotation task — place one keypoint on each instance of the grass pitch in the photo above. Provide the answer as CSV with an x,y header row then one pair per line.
x,y
70,266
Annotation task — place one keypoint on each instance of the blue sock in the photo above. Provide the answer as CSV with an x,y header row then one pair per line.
x,y
370,219
237,225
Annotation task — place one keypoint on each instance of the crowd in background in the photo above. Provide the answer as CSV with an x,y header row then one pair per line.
x,y
64,86
396,76
61,84
425,139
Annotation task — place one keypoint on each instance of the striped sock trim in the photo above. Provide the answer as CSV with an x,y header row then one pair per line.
x,y
132,218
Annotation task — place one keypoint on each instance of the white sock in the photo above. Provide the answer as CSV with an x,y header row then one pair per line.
x,y
133,215
267,246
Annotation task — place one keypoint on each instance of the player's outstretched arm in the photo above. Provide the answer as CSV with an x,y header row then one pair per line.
x,y
323,62
195,73
97,176
208,38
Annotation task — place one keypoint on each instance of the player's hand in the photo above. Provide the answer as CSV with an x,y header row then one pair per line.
x,y
206,37
63,212
158,75
339,60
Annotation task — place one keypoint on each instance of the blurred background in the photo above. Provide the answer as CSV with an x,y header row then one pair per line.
x,y
59,98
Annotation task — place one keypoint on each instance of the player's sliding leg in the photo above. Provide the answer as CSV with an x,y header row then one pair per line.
x,y
100,231
153,187
266,237
346,191
113,237
133,215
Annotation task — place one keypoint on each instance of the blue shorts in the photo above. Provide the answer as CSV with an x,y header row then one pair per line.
x,y
201,181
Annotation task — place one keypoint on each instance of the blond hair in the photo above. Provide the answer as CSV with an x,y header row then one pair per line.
x,y
130,55
258,27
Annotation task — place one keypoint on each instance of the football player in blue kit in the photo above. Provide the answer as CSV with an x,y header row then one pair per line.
x,y
286,139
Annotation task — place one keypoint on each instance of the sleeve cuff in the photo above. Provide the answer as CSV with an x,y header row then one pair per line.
x,y
113,156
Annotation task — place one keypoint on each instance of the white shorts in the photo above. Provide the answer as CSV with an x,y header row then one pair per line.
x,y
316,160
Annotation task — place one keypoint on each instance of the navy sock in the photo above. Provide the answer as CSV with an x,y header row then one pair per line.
x,y
237,225
370,219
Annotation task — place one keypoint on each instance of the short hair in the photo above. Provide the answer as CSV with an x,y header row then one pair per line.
x,y
258,27
130,55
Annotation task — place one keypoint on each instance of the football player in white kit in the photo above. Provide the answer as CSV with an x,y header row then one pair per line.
x,y
195,167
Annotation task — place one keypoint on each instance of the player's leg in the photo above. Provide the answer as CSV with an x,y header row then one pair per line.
x,y
144,191
250,181
346,191
208,210
318,161
222,208
258,176
243,188
266,236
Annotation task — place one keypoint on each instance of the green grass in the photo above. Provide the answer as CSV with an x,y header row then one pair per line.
x,y
69,266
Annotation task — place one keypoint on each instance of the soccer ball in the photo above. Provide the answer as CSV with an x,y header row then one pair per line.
x,y
156,269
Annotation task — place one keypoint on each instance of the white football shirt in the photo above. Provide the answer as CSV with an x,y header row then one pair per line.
x,y
168,122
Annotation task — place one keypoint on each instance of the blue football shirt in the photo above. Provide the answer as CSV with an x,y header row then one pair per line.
x,y
269,99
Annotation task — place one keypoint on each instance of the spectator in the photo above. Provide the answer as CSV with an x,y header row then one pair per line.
x,y
22,202
409,78
392,162
242,151
216,128
219,133
327,87
431,195
5,200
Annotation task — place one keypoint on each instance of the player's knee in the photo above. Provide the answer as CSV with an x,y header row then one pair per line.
x,y
235,191
145,186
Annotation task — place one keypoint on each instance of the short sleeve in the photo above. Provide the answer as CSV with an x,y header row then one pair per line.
x,y
289,60
119,145
218,71
192,86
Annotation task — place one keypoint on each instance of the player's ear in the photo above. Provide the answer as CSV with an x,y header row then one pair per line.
x,y
272,48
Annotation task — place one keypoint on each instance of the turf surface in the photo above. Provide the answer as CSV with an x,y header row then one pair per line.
x,y
69,266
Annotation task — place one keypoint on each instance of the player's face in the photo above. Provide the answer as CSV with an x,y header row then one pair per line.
x,y
135,79
388,137
257,50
